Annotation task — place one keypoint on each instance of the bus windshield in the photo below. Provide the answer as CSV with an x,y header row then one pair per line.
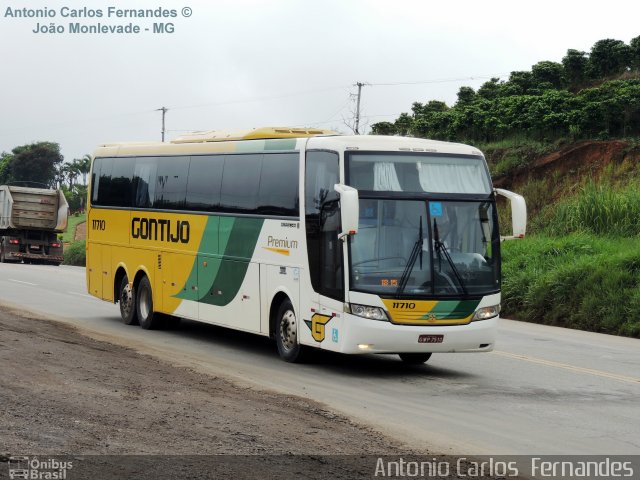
x,y
420,247
418,172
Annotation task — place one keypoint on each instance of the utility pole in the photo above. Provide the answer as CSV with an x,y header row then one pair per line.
x,y
359,85
164,111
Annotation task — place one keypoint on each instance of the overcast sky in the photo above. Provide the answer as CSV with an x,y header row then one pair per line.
x,y
250,63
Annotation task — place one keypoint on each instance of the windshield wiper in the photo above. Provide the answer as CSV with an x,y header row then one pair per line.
x,y
415,253
441,249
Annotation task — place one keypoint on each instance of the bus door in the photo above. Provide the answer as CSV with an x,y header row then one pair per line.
x,y
324,249
98,259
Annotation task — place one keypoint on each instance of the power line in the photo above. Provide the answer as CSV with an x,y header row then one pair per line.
x,y
261,99
441,80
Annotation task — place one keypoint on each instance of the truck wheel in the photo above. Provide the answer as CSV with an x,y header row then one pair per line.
x,y
149,320
127,299
286,334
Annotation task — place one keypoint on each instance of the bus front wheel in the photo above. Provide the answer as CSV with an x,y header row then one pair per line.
x,y
414,358
127,300
286,332
149,320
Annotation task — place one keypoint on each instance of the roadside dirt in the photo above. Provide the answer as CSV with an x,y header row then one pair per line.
x,y
65,394
81,231
584,158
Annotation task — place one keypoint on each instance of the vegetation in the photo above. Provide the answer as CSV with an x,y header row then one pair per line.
x,y
75,254
36,163
41,165
578,281
594,95
580,265
74,220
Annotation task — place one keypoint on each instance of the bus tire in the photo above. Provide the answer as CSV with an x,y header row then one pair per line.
x,y
148,319
127,300
286,334
414,358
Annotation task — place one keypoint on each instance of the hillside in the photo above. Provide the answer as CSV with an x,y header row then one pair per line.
x,y
566,135
579,267
548,178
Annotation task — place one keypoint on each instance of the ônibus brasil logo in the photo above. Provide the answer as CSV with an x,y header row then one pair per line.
x,y
36,469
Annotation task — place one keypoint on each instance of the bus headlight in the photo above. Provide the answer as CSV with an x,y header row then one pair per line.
x,y
485,313
365,311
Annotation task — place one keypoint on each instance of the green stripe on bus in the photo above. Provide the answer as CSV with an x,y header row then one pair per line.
x,y
453,309
240,244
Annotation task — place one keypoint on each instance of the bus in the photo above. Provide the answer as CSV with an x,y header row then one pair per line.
x,y
353,244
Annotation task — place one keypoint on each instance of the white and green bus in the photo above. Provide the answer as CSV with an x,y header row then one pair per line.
x,y
354,244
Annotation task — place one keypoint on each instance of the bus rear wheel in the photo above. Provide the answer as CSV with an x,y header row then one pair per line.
x,y
149,320
127,300
286,334
414,358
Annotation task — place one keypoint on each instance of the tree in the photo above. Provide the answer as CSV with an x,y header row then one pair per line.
x,y
520,83
5,158
490,89
466,95
36,162
84,166
403,124
548,74
383,128
575,68
608,57
634,48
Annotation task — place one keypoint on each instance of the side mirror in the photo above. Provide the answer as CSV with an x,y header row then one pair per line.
x,y
349,209
518,213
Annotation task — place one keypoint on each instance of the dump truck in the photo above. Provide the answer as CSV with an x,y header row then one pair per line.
x,y
30,221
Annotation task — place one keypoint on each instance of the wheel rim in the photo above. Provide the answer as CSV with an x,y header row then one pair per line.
x,y
126,300
144,303
288,330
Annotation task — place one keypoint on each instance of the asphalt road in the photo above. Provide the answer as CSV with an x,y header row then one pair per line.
x,y
545,390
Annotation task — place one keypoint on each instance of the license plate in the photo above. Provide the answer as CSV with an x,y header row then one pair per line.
x,y
430,338
35,247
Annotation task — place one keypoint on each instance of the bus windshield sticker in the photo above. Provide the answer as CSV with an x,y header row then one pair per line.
x,y
435,208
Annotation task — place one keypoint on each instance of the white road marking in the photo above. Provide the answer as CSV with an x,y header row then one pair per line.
x,y
20,281
81,294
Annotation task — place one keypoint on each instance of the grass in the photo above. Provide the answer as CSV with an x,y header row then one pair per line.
x,y
74,220
510,155
579,281
580,265
599,209
75,254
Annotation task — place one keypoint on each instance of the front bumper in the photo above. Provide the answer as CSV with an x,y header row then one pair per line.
x,y
386,337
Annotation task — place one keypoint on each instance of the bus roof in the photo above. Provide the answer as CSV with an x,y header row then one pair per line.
x,y
390,144
254,134
279,138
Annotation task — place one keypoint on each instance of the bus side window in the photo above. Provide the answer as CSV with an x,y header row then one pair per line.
x,y
204,182
171,187
323,224
144,182
103,184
